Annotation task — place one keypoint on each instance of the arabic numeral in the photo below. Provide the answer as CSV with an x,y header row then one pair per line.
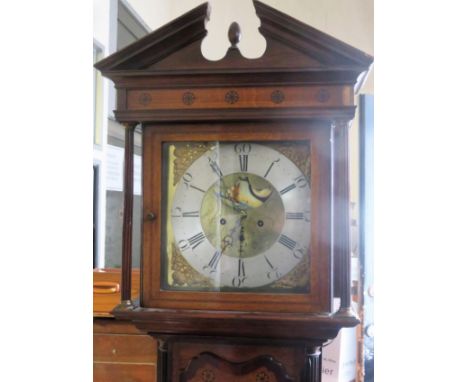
x,y
301,182
243,148
237,281
176,212
299,253
187,178
184,245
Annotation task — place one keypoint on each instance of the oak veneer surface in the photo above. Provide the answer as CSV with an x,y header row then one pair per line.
x,y
122,353
124,348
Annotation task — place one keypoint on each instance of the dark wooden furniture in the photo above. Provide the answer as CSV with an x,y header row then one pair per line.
x,y
302,88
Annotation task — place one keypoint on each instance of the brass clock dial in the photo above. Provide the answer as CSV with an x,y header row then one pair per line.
x,y
240,216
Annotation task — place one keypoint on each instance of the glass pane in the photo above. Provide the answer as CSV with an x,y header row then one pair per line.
x,y
237,216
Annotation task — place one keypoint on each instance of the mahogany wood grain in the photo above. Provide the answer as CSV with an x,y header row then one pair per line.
x,y
229,115
127,225
209,366
113,326
236,353
291,44
246,97
213,79
282,326
318,299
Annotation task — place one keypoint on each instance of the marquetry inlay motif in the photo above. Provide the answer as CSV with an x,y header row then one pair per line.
x,y
231,97
188,98
261,376
240,98
323,95
277,96
145,99
208,375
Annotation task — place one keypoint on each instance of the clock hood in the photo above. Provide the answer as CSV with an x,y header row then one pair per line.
x,y
295,52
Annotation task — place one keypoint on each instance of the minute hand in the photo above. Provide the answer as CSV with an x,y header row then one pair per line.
x,y
241,235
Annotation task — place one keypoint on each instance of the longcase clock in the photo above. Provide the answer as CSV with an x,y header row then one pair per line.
x,y
245,197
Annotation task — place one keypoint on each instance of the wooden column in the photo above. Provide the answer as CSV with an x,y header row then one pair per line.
x,y
341,216
127,216
162,367
313,366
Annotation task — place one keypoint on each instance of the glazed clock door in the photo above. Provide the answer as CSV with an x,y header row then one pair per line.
x,y
238,217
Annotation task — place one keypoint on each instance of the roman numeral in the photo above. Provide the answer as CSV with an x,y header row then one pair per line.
x,y
287,242
244,162
192,214
274,273
214,166
196,188
269,263
271,166
213,264
287,189
196,240
238,280
241,270
295,215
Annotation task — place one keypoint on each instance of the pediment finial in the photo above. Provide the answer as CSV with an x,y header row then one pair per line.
x,y
234,34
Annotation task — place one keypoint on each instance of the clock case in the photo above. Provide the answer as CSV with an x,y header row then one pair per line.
x,y
303,87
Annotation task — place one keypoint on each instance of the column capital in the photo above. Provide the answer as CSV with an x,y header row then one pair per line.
x,y
162,344
340,124
314,350
129,125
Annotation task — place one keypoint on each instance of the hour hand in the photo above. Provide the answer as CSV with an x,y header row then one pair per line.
x,y
227,242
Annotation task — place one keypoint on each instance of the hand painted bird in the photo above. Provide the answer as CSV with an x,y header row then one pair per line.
x,y
243,196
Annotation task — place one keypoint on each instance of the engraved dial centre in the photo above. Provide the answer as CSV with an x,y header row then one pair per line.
x,y
250,211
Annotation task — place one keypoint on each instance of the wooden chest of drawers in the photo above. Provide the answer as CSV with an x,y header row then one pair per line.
x,y
122,353
106,290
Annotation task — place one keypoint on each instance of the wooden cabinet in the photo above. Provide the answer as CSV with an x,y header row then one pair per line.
x,y
122,353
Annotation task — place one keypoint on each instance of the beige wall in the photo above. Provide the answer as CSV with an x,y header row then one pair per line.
x,y
349,21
